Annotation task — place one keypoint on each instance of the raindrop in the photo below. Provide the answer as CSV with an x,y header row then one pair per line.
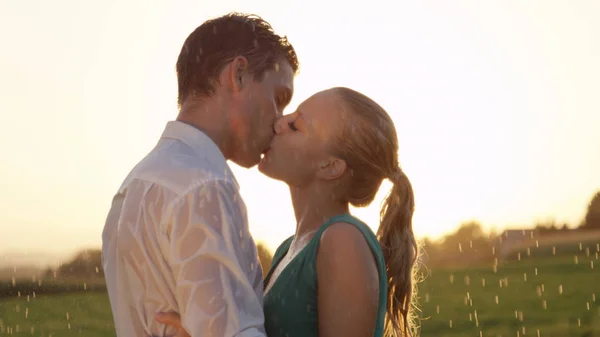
x,y
587,305
276,67
27,311
460,248
426,297
519,256
494,250
594,297
483,282
467,280
437,309
496,299
535,271
255,43
579,323
451,278
580,247
528,251
215,30
450,324
560,289
553,250
525,277
470,243
539,291
470,317
576,260
537,244
538,332
592,264
544,304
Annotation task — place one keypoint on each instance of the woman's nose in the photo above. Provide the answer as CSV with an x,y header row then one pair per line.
x,y
279,126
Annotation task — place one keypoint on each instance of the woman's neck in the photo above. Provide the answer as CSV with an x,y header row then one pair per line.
x,y
313,208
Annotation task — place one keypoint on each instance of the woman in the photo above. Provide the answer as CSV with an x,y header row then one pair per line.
x,y
335,277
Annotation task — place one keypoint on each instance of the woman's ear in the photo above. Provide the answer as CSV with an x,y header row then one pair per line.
x,y
330,169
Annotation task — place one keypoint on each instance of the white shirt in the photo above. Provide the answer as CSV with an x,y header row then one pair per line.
x,y
176,239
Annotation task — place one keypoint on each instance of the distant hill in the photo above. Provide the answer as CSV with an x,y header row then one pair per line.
x,y
33,259
21,273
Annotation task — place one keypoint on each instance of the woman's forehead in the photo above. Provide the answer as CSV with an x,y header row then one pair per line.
x,y
324,112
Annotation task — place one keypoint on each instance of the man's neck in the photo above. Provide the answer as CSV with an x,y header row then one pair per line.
x,y
211,120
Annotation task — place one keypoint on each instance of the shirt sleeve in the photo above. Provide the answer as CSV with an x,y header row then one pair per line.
x,y
213,259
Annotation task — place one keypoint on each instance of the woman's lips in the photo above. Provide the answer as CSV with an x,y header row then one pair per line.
x,y
264,153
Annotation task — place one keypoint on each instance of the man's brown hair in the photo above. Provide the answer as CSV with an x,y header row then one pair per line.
x,y
218,41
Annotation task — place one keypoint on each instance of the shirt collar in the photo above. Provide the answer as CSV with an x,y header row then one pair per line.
x,y
199,141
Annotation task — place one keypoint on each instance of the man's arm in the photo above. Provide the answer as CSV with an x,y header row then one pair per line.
x,y
348,283
207,247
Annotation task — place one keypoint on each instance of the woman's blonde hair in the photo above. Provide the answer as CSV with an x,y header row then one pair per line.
x,y
369,145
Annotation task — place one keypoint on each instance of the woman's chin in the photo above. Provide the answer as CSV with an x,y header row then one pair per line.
x,y
264,165
267,167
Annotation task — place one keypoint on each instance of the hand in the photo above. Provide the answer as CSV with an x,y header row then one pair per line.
x,y
172,319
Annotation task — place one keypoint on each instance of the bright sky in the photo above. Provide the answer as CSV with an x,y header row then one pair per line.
x,y
496,104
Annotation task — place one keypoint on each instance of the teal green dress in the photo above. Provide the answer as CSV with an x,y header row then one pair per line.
x,y
290,306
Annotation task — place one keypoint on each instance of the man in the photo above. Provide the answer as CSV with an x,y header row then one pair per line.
x,y
176,237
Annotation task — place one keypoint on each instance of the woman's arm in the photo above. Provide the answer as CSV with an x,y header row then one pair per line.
x,y
348,283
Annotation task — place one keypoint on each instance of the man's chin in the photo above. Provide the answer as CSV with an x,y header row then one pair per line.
x,y
247,163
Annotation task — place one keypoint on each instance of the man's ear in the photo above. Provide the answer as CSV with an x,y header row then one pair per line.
x,y
236,73
332,168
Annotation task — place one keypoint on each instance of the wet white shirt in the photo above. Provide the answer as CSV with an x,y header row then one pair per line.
x,y
176,239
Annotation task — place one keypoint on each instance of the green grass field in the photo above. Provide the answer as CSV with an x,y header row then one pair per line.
x,y
534,296
543,297
80,314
